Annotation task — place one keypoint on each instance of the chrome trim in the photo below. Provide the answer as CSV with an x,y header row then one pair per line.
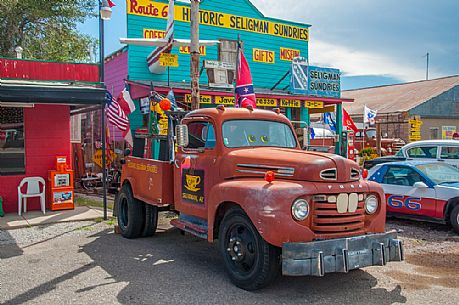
x,y
246,171
334,173
355,173
280,170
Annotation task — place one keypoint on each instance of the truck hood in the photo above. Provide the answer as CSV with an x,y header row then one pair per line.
x,y
293,164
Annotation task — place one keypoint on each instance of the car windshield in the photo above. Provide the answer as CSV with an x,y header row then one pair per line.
x,y
371,133
243,133
440,173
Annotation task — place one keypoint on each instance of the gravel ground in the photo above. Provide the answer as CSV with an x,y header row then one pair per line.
x,y
85,263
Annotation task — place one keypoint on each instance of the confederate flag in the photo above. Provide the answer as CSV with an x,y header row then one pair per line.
x,y
245,96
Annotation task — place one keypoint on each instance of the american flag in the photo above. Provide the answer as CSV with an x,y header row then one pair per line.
x,y
115,113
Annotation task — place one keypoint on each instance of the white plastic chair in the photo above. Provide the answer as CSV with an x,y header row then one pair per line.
x,y
33,190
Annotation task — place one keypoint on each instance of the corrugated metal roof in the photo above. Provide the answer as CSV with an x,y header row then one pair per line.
x,y
398,98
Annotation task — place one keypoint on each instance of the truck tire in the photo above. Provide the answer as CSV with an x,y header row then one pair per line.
x,y
151,220
131,213
249,260
454,218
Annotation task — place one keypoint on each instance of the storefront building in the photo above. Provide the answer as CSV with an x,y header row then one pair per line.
x,y
36,100
422,110
269,46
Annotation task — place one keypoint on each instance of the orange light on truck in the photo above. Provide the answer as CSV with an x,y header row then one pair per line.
x,y
269,176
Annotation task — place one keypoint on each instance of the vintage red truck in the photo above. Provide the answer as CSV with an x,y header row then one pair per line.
x,y
239,176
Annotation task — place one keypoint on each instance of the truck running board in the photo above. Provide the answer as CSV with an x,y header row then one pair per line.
x,y
192,225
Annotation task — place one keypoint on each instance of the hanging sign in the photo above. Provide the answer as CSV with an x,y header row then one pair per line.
x,y
313,104
266,102
284,103
204,99
324,82
168,60
224,100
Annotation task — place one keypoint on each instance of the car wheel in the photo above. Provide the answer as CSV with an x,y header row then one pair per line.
x,y
131,213
151,220
249,260
454,218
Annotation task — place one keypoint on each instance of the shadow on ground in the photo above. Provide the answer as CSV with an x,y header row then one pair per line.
x,y
173,269
8,246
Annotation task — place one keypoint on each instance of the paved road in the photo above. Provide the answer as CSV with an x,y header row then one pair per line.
x,y
85,263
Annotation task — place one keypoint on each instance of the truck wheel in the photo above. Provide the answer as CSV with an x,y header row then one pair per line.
x,y
131,213
250,262
151,220
454,218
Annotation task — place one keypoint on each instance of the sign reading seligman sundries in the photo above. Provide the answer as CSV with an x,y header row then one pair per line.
x,y
324,82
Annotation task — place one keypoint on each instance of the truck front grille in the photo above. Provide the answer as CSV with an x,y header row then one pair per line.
x,y
327,222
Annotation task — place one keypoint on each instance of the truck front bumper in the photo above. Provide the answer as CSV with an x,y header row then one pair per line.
x,y
340,255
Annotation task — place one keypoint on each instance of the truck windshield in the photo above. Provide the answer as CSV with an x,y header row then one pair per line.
x,y
242,133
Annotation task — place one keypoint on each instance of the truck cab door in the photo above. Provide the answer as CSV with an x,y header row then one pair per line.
x,y
195,170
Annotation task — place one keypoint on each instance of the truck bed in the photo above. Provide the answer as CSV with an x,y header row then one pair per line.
x,y
151,180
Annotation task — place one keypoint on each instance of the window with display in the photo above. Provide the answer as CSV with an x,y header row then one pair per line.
x,y
12,156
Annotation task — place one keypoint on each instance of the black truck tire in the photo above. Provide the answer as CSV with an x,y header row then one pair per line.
x,y
131,213
454,218
151,220
249,260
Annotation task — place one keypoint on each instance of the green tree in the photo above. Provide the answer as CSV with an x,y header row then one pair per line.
x,y
46,29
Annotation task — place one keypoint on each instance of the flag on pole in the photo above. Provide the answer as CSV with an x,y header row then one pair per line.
x,y
110,3
348,122
171,98
118,116
369,116
115,113
125,101
245,95
329,121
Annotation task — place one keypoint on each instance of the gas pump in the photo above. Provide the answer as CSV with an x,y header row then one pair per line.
x,y
347,144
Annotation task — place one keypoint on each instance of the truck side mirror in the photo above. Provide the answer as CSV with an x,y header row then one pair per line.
x,y
181,132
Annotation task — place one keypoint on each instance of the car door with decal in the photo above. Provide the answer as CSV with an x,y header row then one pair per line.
x,y
193,171
407,192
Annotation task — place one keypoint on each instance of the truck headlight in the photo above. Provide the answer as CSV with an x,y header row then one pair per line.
x,y
300,209
371,204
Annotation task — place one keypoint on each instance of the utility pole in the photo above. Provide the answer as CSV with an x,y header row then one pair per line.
x,y
195,56
427,69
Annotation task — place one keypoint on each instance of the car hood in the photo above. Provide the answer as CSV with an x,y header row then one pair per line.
x,y
294,164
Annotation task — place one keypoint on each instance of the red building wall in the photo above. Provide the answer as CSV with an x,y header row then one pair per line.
x,y
42,70
47,134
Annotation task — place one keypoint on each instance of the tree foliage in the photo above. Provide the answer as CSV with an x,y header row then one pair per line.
x,y
45,29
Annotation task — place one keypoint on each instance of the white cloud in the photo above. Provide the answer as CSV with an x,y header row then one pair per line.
x,y
360,63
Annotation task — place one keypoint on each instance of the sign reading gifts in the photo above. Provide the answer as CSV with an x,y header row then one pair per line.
x,y
155,9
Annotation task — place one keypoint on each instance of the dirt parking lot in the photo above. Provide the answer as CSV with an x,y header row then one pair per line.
x,y
86,263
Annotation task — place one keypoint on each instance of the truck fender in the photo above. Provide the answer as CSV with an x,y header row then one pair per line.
x,y
268,205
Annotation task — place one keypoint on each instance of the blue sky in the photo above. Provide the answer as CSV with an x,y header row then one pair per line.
x,y
372,42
